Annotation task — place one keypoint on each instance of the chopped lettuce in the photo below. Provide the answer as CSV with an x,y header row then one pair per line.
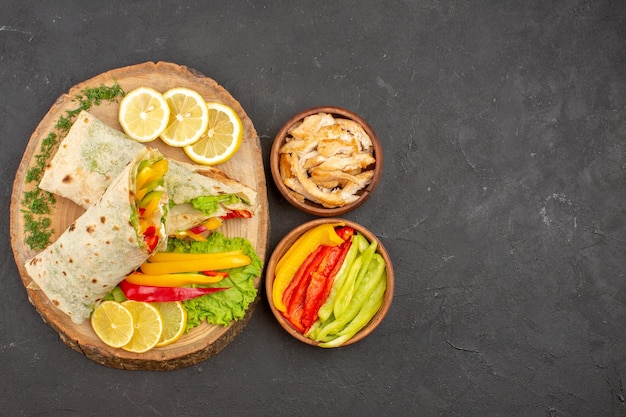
x,y
223,307
209,204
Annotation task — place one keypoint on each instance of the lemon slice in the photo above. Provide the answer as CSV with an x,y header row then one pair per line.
x,y
222,138
143,114
174,318
113,323
188,117
148,326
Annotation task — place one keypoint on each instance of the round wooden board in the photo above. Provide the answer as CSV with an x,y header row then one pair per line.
x,y
246,166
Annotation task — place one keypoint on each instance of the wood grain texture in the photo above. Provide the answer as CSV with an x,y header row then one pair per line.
x,y
246,166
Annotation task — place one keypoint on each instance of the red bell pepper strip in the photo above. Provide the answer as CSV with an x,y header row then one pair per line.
x,y
235,214
311,284
198,229
345,247
315,300
345,232
152,294
150,238
295,293
314,280
222,274
309,264
320,284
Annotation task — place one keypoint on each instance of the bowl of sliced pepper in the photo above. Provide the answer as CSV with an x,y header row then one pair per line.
x,y
329,282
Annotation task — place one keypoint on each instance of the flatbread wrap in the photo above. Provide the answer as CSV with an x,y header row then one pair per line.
x,y
109,240
93,153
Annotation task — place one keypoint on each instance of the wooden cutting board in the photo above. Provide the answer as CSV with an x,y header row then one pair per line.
x,y
246,166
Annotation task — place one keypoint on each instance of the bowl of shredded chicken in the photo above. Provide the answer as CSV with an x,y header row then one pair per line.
x,y
326,161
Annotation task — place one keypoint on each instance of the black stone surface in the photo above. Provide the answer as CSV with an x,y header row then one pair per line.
x,y
502,202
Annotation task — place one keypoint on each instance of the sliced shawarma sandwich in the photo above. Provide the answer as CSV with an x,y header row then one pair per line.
x,y
93,153
113,237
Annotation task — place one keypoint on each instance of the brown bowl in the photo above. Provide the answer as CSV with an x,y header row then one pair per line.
x,y
307,205
289,240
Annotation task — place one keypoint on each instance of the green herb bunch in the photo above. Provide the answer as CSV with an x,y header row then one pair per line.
x,y
37,203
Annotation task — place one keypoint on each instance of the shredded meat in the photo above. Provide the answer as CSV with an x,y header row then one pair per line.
x,y
327,160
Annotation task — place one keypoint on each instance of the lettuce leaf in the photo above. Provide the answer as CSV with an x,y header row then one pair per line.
x,y
208,204
223,307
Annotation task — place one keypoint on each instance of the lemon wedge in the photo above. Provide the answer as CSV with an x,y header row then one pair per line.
x,y
143,114
222,138
174,318
148,326
188,117
112,323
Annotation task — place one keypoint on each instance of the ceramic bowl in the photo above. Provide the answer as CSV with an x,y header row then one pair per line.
x,y
307,205
289,240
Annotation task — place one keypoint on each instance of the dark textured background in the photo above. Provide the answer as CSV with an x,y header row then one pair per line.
x,y
502,203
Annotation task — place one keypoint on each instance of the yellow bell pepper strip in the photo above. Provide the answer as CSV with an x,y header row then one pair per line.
x,y
172,280
185,257
151,294
148,198
288,265
195,265
194,236
151,173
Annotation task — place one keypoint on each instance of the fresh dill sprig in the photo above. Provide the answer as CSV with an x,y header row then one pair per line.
x,y
37,231
37,203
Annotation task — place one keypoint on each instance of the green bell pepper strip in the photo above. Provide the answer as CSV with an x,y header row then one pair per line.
x,y
348,288
367,312
362,293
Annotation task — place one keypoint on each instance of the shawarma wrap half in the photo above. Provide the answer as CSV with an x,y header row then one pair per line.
x,y
109,240
93,153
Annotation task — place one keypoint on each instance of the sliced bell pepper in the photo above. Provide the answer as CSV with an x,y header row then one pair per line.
x,y
314,296
307,267
185,257
211,224
152,294
141,192
296,291
365,287
221,274
288,265
237,214
365,314
319,290
349,287
195,236
345,232
149,173
326,309
151,242
172,280
195,265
